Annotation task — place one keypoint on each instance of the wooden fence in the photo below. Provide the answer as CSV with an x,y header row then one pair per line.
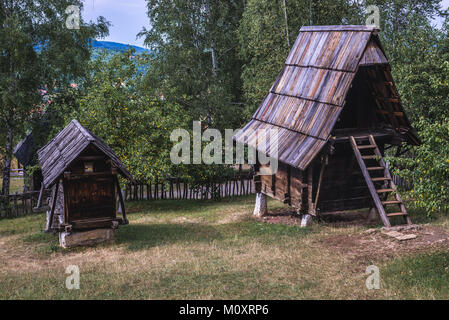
x,y
17,172
16,205
402,183
20,204
176,188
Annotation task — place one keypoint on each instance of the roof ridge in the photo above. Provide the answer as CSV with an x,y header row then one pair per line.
x,y
341,28
86,133
66,146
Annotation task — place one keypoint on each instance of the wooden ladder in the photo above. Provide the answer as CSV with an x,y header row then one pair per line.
x,y
378,184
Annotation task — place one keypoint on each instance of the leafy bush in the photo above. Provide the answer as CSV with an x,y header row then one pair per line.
x,y
429,166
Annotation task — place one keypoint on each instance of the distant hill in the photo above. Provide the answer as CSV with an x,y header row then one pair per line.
x,y
114,48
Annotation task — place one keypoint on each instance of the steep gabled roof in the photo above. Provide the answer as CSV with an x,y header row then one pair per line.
x,y
66,146
24,150
307,98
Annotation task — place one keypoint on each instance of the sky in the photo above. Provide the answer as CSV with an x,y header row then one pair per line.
x,y
445,5
128,17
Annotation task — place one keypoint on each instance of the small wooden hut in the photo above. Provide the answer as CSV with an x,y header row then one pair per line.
x,y
25,152
82,170
336,109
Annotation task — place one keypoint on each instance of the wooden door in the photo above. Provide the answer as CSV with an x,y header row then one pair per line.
x,y
90,197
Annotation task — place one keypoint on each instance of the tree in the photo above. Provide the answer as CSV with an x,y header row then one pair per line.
x,y
120,108
428,167
416,52
196,64
423,81
37,49
262,37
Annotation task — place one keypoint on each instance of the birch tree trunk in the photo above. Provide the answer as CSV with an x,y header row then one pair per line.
x,y
214,60
286,22
8,157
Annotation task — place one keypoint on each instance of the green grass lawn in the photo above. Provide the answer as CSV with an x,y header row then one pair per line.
x,y
211,250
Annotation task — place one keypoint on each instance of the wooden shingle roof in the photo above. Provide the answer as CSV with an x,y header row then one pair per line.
x,y
24,150
66,146
307,98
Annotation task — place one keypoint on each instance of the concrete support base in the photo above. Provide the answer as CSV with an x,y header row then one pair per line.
x,y
373,216
85,238
306,220
260,209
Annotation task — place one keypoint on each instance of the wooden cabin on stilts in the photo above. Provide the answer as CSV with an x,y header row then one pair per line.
x,y
82,171
336,110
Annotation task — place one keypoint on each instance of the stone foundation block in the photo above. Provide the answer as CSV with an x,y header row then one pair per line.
x,y
85,238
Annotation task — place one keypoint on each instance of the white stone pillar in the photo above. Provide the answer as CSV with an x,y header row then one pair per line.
x,y
306,220
373,216
260,209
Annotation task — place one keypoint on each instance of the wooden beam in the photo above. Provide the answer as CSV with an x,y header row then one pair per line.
x,y
390,99
122,203
257,183
53,205
39,199
310,208
395,113
370,184
320,179
92,158
393,186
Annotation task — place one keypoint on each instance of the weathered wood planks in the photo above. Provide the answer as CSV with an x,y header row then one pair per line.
x,y
66,146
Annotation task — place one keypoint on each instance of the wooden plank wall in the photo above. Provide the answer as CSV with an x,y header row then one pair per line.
x,y
343,186
286,185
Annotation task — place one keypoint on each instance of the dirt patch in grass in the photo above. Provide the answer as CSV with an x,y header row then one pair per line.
x,y
347,233
335,219
281,217
372,244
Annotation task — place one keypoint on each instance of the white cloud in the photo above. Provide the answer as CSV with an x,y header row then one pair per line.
x,y
127,18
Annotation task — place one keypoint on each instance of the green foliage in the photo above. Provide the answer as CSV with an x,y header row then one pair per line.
x,y
214,61
425,275
420,59
424,82
428,168
263,43
119,108
418,53
37,50
196,63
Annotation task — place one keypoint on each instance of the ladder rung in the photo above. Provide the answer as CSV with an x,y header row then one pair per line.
x,y
375,168
395,113
383,193
396,214
380,179
384,190
391,202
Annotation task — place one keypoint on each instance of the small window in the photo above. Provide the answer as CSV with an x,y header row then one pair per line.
x,y
88,167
